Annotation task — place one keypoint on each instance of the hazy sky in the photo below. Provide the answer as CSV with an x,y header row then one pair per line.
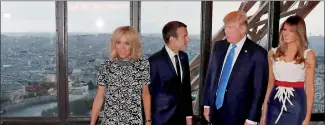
x,y
105,16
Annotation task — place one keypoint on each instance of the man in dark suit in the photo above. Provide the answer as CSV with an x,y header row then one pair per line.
x,y
170,88
237,76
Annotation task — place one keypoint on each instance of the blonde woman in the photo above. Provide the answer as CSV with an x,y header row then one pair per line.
x,y
290,94
125,76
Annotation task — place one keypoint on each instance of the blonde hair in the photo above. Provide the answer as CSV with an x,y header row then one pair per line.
x,y
298,27
237,17
132,36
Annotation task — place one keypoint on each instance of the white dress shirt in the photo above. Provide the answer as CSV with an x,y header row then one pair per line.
x,y
237,51
172,58
171,55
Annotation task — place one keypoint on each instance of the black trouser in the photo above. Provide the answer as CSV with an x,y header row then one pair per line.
x,y
216,118
222,116
178,118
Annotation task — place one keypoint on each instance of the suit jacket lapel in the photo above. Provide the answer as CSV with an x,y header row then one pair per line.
x,y
168,61
241,59
221,60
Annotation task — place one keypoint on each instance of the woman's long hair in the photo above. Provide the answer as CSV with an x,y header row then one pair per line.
x,y
298,27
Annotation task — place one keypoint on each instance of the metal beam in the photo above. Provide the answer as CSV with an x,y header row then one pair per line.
x,y
206,33
284,8
323,114
30,120
288,13
259,13
61,60
273,24
261,3
287,5
301,3
194,62
246,6
307,8
135,8
262,33
194,83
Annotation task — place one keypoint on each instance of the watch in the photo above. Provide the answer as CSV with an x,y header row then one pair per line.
x,y
148,120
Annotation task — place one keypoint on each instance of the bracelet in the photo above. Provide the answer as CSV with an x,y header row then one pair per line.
x,y
148,120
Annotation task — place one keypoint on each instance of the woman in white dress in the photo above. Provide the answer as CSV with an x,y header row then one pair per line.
x,y
290,94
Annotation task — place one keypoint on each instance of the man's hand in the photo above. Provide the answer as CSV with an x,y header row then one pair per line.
x,y
207,114
148,123
188,121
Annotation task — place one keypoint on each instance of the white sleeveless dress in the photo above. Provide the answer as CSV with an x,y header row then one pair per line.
x,y
287,105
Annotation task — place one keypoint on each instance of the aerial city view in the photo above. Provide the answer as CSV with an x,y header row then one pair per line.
x,y
28,70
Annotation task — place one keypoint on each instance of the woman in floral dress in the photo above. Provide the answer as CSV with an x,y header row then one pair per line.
x,y
125,76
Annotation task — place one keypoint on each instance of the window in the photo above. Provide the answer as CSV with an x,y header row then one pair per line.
x,y
219,12
315,35
154,15
90,25
28,59
220,9
28,85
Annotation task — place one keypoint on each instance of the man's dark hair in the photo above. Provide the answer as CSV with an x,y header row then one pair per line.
x,y
170,29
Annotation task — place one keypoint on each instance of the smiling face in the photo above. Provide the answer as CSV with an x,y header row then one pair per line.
x,y
289,36
124,44
123,48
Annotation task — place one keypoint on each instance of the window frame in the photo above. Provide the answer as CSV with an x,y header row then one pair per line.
x,y
62,67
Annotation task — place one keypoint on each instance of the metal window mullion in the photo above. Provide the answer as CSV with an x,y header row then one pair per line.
x,y
135,14
273,24
205,45
61,60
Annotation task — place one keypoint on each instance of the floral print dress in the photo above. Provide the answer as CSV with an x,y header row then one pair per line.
x,y
123,81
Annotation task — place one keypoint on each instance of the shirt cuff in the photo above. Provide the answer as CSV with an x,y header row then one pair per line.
x,y
251,122
206,106
188,116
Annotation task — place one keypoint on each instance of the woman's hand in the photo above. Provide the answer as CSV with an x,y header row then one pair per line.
x,y
306,122
263,117
148,123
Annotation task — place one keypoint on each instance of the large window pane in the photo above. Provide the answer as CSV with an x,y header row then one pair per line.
x,y
90,25
221,8
315,35
154,15
28,60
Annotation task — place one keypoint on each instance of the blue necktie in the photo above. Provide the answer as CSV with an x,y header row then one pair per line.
x,y
224,77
